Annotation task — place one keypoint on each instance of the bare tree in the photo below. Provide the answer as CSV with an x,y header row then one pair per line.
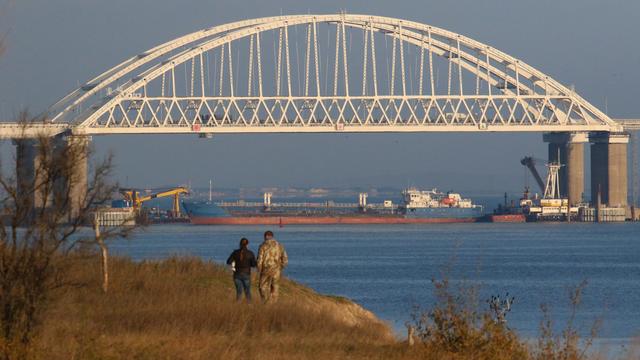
x,y
45,207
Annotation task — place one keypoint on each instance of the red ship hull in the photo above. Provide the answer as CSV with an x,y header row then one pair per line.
x,y
321,220
508,218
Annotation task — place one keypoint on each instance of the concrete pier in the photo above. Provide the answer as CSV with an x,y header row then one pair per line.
x,y
609,168
568,150
77,182
72,161
29,175
575,167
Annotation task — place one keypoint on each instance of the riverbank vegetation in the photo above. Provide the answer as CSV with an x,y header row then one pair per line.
x,y
184,308
46,199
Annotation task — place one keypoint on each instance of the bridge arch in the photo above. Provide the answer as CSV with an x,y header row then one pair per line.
x,y
484,89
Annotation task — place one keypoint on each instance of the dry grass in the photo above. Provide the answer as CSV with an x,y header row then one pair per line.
x,y
185,308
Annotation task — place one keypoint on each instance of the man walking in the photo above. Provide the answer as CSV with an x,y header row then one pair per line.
x,y
272,258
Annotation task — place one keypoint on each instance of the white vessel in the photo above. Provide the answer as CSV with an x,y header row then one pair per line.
x,y
414,198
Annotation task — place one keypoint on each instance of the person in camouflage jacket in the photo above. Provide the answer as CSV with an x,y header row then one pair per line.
x,y
272,258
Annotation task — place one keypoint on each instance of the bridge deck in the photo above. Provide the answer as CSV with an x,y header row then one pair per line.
x,y
14,130
629,124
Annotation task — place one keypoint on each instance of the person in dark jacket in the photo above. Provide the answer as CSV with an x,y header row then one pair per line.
x,y
241,261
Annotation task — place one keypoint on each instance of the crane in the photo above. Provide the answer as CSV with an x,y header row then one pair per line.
x,y
134,197
530,163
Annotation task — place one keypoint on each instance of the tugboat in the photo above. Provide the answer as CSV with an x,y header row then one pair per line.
x,y
510,213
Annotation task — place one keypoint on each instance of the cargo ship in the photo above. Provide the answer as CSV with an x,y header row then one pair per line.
x,y
417,207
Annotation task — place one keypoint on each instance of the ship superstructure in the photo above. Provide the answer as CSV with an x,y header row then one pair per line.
x,y
419,199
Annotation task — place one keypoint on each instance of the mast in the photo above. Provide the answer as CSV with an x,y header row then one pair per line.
x,y
210,187
552,189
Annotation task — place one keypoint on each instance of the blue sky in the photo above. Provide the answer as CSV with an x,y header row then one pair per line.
x,y
55,45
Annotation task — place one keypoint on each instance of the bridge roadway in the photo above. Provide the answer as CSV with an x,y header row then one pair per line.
x,y
13,130
629,124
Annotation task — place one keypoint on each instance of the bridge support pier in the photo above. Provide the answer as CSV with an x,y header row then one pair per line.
x,y
78,183
71,155
609,168
29,177
568,150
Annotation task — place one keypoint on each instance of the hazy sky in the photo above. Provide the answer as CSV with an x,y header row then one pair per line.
x,y
55,45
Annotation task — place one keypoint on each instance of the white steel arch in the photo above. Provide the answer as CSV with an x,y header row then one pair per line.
x,y
337,84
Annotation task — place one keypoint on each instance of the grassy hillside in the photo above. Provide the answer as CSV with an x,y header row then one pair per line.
x,y
185,308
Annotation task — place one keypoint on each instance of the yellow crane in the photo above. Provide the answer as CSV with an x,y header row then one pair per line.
x,y
136,200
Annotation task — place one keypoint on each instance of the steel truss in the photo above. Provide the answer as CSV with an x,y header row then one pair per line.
x,y
358,113
173,89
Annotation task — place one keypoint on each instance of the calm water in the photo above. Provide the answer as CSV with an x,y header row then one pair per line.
x,y
388,269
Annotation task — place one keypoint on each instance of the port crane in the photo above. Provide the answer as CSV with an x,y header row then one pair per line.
x,y
530,163
551,205
551,187
136,200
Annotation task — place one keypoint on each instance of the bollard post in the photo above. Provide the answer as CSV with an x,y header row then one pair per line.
x,y
410,335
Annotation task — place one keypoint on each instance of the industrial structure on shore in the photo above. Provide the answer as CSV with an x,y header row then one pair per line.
x,y
186,86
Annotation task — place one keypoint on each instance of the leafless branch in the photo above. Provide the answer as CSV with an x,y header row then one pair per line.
x,y
44,206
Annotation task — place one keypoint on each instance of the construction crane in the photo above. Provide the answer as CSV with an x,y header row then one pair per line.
x,y
136,200
530,163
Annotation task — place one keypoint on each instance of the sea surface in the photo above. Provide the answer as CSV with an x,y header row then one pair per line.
x,y
389,268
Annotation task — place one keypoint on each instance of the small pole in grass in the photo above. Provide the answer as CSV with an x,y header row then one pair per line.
x,y
410,334
104,252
